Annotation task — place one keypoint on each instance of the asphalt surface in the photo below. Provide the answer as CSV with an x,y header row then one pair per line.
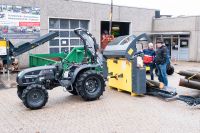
x,y
114,112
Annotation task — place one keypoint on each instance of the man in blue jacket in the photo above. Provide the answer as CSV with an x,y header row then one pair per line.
x,y
149,55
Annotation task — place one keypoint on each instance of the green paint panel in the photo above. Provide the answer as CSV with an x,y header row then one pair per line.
x,y
75,56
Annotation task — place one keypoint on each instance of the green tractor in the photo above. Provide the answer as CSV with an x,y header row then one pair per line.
x,y
84,79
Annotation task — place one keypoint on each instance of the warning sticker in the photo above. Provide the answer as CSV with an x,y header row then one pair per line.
x,y
130,51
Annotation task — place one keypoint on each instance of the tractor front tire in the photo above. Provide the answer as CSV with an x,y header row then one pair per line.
x,y
90,85
35,96
20,90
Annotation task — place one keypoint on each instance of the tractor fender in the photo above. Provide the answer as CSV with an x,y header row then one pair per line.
x,y
82,68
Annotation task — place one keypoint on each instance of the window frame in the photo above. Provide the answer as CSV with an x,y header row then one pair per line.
x,y
69,46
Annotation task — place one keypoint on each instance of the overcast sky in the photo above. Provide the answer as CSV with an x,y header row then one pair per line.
x,y
167,7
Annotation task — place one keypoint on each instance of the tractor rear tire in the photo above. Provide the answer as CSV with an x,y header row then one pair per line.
x,y
35,96
90,85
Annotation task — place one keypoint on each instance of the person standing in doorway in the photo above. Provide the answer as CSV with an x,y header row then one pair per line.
x,y
149,55
105,39
161,62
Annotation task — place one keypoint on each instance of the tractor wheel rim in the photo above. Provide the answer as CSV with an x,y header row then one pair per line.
x,y
92,84
35,97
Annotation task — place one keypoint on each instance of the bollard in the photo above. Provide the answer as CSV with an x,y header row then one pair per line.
x,y
3,71
8,75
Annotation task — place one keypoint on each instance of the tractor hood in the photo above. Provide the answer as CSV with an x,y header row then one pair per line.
x,y
33,73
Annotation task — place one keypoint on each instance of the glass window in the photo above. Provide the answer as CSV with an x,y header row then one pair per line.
x,y
185,36
74,41
74,24
64,42
54,42
84,24
67,39
54,23
64,33
64,24
166,36
54,50
81,42
184,43
175,36
72,34
175,44
71,48
65,49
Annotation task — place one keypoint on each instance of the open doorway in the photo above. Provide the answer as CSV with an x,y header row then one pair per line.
x,y
118,28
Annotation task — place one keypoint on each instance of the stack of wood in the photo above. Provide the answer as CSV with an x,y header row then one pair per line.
x,y
191,80
154,84
12,67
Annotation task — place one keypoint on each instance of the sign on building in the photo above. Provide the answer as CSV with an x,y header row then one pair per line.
x,y
18,22
3,47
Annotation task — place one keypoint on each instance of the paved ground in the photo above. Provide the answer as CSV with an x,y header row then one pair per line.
x,y
115,112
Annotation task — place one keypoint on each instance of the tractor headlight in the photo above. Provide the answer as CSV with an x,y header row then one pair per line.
x,y
41,78
20,73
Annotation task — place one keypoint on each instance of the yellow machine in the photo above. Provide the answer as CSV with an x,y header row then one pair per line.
x,y
120,70
3,51
3,47
125,68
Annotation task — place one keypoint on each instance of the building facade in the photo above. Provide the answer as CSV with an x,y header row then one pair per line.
x,y
66,15
181,35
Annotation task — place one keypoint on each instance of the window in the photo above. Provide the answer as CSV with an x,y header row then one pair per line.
x,y
84,24
74,41
64,24
184,43
64,42
65,49
64,33
54,50
67,39
74,24
54,42
175,44
185,36
54,23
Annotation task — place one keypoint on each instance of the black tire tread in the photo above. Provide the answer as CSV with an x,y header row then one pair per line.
x,y
80,89
25,93
20,91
